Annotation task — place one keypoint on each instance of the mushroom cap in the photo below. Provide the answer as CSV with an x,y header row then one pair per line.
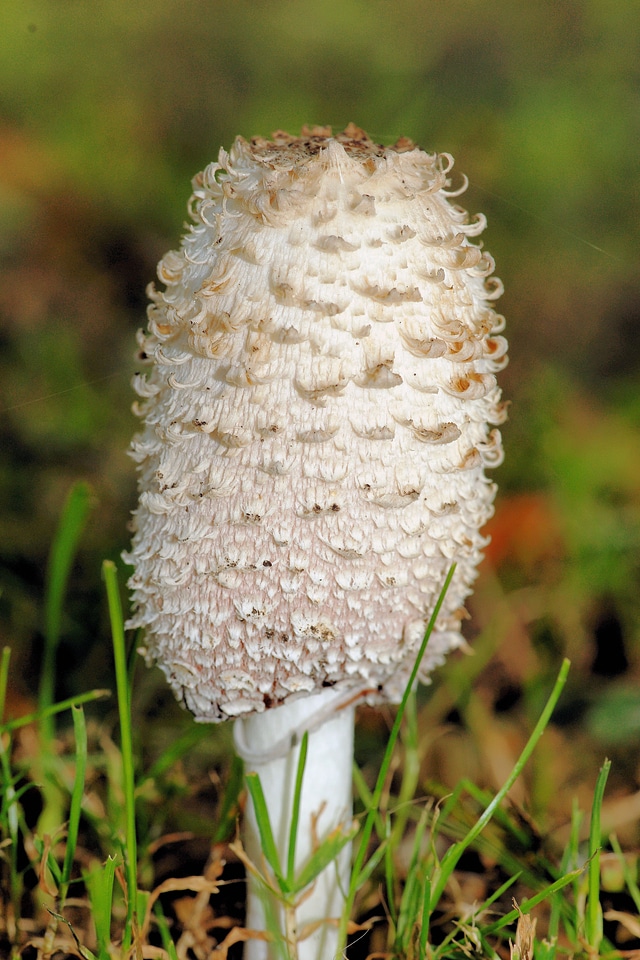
x,y
317,415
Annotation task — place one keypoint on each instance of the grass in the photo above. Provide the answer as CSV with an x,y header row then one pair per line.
x,y
93,884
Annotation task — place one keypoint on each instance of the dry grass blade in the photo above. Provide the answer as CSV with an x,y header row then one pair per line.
x,y
628,921
237,935
193,884
523,948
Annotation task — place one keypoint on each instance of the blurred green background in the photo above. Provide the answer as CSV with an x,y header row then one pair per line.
x,y
109,107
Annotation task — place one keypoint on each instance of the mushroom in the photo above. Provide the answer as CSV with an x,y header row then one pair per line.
x,y
317,415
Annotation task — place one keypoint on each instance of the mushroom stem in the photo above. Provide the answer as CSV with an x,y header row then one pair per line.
x,y
325,804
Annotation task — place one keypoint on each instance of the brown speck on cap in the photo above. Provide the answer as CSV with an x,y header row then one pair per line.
x,y
355,142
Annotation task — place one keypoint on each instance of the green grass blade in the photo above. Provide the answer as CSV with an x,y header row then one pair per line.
x,y
362,789
165,935
425,918
17,794
412,900
372,813
63,549
295,809
395,730
325,854
174,752
230,805
126,743
453,854
451,801
410,768
373,862
60,707
442,950
568,862
629,878
80,733
533,901
501,817
593,918
99,884
366,798
390,876
54,867
10,821
267,841
4,679
499,892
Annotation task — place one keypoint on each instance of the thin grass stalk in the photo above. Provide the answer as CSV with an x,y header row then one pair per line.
x,y
163,926
80,735
425,916
230,805
63,550
501,817
453,854
372,813
493,845
9,814
4,679
533,901
441,950
126,746
61,556
569,861
593,916
100,882
295,810
412,901
63,874
11,725
410,771
267,840
366,798
576,825
390,875
75,809
629,878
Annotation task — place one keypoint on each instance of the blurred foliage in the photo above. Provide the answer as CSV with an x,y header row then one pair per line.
x,y
108,108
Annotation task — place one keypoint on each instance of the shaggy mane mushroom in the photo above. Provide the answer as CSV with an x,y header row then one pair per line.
x,y
317,419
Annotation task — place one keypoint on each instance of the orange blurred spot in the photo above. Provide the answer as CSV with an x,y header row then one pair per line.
x,y
526,529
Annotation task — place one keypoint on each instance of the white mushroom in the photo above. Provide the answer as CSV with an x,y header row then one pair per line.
x,y
316,414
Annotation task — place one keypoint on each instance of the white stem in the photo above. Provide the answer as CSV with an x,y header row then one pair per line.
x,y
326,800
